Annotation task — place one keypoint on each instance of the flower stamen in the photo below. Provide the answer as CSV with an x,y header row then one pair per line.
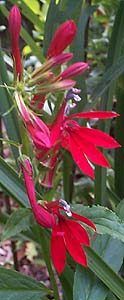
x,y
66,207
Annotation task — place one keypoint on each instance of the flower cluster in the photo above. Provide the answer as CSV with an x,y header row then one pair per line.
x,y
63,133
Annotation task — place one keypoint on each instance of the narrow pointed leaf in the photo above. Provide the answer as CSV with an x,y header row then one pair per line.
x,y
10,118
96,264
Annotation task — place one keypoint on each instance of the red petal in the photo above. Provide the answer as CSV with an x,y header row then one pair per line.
x,y
89,149
39,138
56,125
98,137
58,250
74,247
95,115
60,59
39,124
78,232
84,220
78,156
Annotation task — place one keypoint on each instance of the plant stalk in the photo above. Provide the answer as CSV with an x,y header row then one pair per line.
x,y
45,249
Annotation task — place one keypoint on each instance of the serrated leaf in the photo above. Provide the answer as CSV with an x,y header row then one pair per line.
x,y
20,220
106,221
15,286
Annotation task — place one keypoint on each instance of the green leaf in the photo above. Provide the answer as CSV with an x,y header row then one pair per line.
x,y
10,119
120,210
16,286
105,273
106,221
67,278
79,41
108,247
20,220
78,48
12,184
86,285
107,90
119,135
111,296
108,77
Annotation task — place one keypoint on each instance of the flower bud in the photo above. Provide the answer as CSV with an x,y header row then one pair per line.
x,y
62,38
73,70
14,29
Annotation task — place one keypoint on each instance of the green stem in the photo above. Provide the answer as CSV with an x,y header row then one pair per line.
x,y
25,140
45,249
68,177
119,135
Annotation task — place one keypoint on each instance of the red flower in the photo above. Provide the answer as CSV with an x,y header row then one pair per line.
x,y
81,141
14,28
62,38
38,131
66,233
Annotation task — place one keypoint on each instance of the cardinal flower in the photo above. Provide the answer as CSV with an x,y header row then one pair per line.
x,y
66,233
14,28
81,141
